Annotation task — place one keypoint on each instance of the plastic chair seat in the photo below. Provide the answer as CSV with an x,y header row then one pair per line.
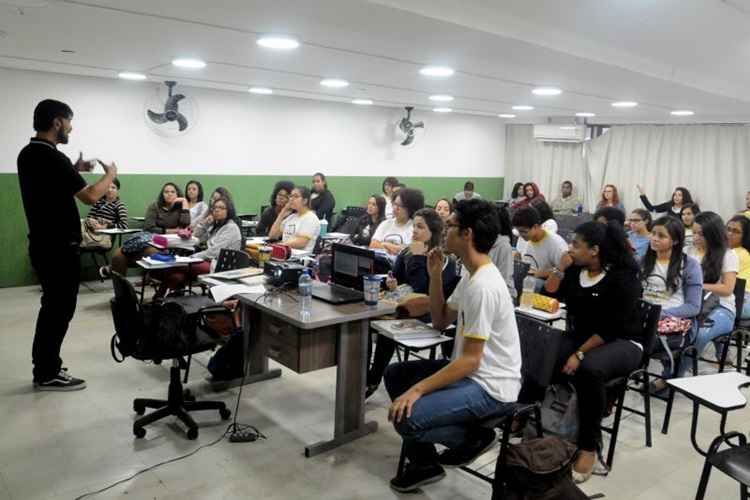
x,y
734,462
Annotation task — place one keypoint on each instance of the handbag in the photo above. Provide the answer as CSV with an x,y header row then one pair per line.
x,y
674,326
91,239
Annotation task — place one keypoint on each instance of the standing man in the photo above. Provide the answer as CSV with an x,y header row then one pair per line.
x,y
49,184
440,401
322,201
567,203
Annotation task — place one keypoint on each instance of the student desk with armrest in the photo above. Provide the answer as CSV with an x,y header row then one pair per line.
x,y
330,335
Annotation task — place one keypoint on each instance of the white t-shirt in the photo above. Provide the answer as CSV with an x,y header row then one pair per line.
x,y
485,311
550,225
462,196
197,213
546,253
390,231
388,207
307,226
655,288
731,264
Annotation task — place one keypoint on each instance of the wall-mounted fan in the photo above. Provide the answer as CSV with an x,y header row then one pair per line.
x,y
173,116
408,127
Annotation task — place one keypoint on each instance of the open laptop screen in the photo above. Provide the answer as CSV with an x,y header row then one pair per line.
x,y
350,264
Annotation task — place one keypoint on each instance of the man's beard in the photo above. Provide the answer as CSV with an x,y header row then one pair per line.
x,y
62,137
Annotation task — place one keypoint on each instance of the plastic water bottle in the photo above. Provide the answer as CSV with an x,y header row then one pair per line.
x,y
323,227
304,288
527,296
579,209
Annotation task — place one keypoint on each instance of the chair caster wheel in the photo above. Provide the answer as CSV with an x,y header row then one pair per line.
x,y
192,434
139,432
225,413
139,410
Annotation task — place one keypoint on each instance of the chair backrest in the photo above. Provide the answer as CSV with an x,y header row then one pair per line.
x,y
520,271
232,259
354,211
739,299
127,315
539,347
649,314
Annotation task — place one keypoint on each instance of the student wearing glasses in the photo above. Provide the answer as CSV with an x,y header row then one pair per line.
x,y
738,238
218,231
297,225
639,235
393,235
279,199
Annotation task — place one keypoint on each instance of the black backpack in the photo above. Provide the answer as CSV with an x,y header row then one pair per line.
x,y
537,469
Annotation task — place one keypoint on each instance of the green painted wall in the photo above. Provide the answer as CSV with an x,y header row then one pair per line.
x,y
250,192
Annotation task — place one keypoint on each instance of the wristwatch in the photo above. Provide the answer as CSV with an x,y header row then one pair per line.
x,y
555,271
580,355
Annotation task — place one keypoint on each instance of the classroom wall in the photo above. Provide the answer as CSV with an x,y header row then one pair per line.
x,y
241,141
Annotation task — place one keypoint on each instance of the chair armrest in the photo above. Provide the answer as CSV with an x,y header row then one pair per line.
x,y
725,438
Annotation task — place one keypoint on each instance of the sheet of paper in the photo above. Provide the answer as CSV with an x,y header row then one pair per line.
x,y
223,292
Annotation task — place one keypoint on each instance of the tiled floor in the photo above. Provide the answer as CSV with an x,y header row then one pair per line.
x,y
58,446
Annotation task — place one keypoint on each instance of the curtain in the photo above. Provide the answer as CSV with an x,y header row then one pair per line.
x,y
547,164
712,161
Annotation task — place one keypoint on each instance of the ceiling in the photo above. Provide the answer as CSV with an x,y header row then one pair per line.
x,y
666,55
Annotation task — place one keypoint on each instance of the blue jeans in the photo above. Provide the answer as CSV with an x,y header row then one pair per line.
x,y
444,416
723,323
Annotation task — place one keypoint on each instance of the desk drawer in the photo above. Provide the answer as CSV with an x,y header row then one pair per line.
x,y
299,350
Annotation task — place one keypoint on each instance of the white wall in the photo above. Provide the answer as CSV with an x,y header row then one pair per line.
x,y
240,133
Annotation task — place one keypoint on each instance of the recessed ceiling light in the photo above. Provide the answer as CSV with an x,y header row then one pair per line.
x,y
523,107
568,127
546,91
624,104
260,90
506,115
682,112
362,102
189,63
437,71
441,98
129,75
278,42
442,110
334,83
585,114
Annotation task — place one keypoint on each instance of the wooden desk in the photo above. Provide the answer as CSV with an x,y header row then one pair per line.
x,y
329,335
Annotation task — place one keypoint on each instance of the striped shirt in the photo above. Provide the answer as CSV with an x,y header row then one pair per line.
x,y
114,213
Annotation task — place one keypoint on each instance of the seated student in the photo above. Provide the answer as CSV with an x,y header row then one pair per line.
x,y
516,194
389,183
440,401
670,279
219,231
610,198
545,247
369,222
166,215
531,193
606,214
279,199
198,208
322,201
393,235
468,192
598,281
444,207
109,212
738,238
720,266
548,223
672,208
687,215
411,269
568,201
501,252
296,224
640,231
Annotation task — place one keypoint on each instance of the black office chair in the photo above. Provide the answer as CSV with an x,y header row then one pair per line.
x,y
650,322
539,346
138,334
741,328
733,461
520,271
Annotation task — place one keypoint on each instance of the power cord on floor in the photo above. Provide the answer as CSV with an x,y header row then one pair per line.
x,y
238,433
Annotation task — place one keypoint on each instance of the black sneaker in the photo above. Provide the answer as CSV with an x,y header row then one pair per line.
x,y
370,390
414,477
61,382
105,272
468,452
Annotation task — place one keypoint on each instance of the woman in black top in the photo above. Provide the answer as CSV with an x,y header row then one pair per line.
x,y
598,281
369,222
279,199
322,201
681,196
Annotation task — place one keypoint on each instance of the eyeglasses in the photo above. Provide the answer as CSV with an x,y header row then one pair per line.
x,y
218,207
634,221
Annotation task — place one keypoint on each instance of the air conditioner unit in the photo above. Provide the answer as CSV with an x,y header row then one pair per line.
x,y
560,133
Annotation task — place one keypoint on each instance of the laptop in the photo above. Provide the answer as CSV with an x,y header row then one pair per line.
x,y
349,265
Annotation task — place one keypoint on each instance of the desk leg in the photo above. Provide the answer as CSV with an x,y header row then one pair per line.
x,y
351,372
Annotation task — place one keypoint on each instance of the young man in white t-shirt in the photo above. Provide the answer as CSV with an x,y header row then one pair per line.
x,y
440,401
544,248
296,224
